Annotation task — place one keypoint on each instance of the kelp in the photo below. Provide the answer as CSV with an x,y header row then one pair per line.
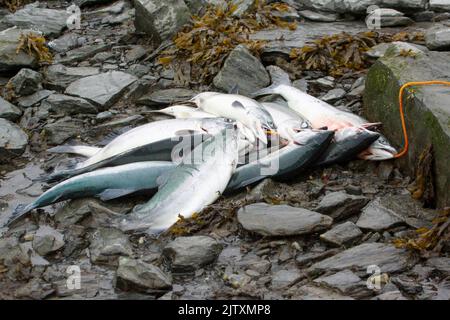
x,y
13,5
212,36
340,54
35,45
427,241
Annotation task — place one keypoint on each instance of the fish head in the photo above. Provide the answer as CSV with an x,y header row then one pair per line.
x,y
307,136
214,126
200,98
378,151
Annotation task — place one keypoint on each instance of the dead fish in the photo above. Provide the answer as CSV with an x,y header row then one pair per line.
x,y
286,162
150,142
240,108
190,187
321,114
105,183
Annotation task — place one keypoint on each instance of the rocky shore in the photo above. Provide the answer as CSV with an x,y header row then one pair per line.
x,y
336,233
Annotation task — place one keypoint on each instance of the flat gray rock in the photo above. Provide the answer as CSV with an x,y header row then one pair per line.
x,y
83,53
285,278
161,20
136,275
440,5
62,129
47,240
13,140
319,16
360,6
342,234
60,76
380,50
68,105
9,59
377,217
50,22
103,89
166,96
347,283
107,245
388,258
334,95
33,99
340,205
241,68
9,111
281,220
438,38
187,254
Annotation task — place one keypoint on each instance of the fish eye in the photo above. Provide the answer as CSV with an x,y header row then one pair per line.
x,y
304,125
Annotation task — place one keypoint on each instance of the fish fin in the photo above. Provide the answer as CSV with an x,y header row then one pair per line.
x,y
237,104
373,125
234,89
86,151
110,194
19,212
278,76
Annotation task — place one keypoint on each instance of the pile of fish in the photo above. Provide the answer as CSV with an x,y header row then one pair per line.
x,y
216,143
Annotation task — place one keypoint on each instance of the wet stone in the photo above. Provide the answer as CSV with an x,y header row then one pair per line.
x,y
377,217
342,234
340,205
47,240
347,283
285,278
9,111
281,220
187,254
68,105
33,99
50,22
241,68
438,38
62,129
13,140
385,256
25,82
10,60
107,244
103,89
60,76
136,275
304,259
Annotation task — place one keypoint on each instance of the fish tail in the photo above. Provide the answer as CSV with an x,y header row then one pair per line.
x,y
279,77
19,212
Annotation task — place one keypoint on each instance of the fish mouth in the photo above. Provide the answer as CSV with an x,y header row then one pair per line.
x,y
377,154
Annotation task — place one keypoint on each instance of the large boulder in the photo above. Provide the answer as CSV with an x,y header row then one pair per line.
x,y
50,22
160,19
241,68
427,111
9,59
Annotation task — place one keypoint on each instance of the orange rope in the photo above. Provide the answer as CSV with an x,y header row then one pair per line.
x,y
402,115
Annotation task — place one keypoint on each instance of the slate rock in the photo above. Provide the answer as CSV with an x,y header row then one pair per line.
x,y
50,22
59,76
33,99
63,129
13,140
388,258
281,220
285,278
161,20
107,245
187,254
25,82
340,205
47,240
136,275
241,68
342,234
166,96
438,38
347,283
10,60
103,89
9,111
68,105
377,217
